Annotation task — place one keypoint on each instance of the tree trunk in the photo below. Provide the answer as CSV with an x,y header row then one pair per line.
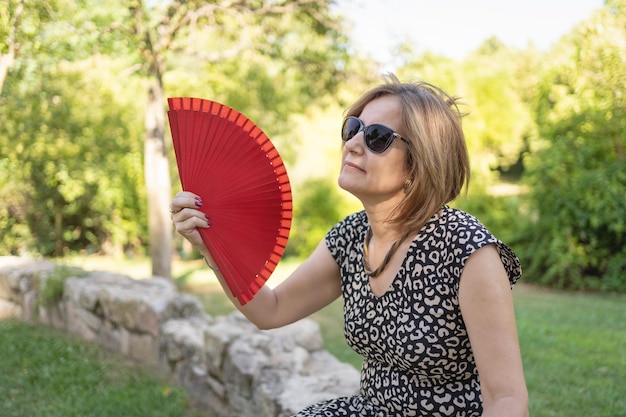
x,y
6,62
158,183
58,233
8,59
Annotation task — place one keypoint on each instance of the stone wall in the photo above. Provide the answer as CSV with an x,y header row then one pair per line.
x,y
230,368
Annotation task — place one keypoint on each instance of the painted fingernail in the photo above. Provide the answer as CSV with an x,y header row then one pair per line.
x,y
198,202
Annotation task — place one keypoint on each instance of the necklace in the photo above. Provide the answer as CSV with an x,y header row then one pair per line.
x,y
388,255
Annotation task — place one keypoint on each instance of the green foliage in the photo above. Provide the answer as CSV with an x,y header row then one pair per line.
x,y
49,374
71,172
67,161
317,208
496,212
71,152
71,136
577,236
54,30
25,22
295,63
15,236
497,122
52,287
560,120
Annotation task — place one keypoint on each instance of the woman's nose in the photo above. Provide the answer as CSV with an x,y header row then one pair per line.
x,y
355,143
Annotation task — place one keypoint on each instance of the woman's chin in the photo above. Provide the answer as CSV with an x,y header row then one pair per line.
x,y
350,186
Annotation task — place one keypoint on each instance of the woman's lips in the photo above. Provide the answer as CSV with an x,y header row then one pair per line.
x,y
353,166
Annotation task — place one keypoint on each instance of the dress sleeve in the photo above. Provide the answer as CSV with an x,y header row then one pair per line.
x,y
511,262
341,239
473,235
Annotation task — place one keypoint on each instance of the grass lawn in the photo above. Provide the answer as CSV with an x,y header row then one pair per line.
x,y
573,345
574,351
46,373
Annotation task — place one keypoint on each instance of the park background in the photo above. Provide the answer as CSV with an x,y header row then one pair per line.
x,y
87,168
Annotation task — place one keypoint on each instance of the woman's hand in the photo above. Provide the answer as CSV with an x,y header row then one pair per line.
x,y
187,217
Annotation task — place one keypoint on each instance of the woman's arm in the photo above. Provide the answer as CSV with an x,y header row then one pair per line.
x,y
486,304
312,286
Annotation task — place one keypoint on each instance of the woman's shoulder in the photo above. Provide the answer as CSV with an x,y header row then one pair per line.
x,y
463,223
463,218
459,231
352,225
345,236
467,234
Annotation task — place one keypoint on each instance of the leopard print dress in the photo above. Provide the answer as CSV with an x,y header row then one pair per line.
x,y
417,356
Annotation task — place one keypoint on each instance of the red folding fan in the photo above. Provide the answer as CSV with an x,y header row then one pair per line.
x,y
228,161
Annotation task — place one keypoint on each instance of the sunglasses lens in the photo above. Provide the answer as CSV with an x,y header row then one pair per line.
x,y
351,126
378,138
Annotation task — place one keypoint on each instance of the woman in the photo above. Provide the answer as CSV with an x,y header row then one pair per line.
x,y
426,288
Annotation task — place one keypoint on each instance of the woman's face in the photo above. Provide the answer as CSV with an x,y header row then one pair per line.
x,y
371,177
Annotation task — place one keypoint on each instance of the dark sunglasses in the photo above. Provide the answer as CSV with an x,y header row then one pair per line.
x,y
378,138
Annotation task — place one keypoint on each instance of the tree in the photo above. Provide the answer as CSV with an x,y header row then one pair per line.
x,y
18,22
211,31
319,206
497,121
64,133
71,171
268,59
577,171
11,21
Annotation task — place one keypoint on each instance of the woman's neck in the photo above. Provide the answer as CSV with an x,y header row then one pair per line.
x,y
380,218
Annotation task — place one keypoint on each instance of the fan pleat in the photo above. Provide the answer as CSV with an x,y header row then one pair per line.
x,y
232,165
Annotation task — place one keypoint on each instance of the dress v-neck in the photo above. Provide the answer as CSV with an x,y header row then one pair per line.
x,y
399,273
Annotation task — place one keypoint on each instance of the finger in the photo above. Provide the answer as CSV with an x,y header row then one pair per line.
x,y
185,213
185,194
188,220
189,230
194,238
185,200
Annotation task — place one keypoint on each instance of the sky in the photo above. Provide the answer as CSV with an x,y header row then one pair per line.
x,y
456,27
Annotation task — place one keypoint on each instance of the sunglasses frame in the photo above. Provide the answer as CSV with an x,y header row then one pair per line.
x,y
364,129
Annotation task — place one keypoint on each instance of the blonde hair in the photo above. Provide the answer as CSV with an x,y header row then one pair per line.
x,y
437,158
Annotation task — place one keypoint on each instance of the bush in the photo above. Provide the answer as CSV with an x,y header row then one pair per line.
x,y
577,239
317,208
499,213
